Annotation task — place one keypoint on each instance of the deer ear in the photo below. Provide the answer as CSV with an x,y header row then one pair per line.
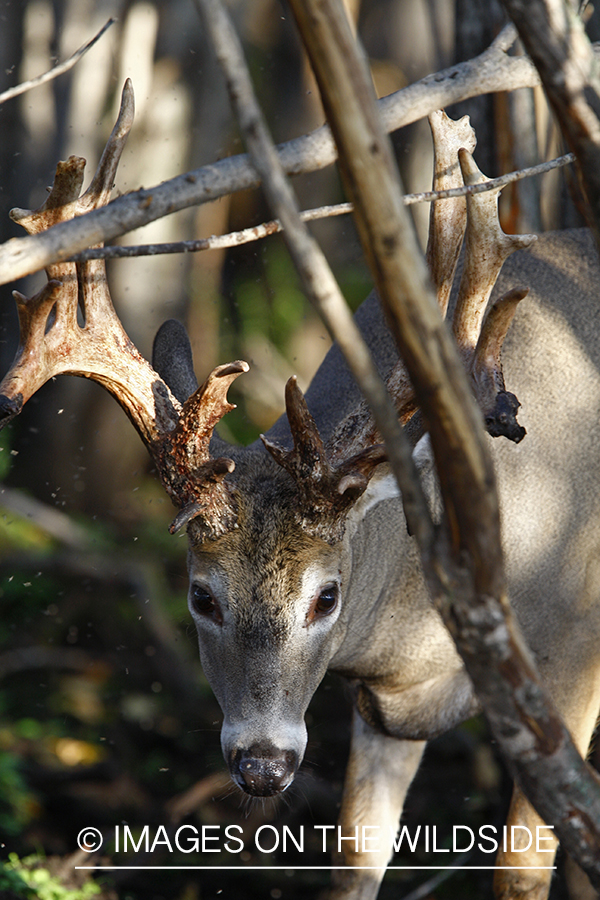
x,y
172,359
382,486
423,454
425,463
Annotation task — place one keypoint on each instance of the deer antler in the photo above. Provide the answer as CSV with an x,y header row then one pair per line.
x,y
498,405
53,342
447,218
486,248
326,490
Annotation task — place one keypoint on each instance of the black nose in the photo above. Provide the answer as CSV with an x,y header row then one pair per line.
x,y
263,771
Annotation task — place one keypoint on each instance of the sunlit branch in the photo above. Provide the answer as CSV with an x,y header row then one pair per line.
x,y
258,232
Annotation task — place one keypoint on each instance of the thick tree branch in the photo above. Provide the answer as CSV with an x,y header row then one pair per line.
x,y
314,271
465,574
554,37
492,71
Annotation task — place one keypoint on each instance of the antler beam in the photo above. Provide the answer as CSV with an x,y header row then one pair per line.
x,y
70,327
479,336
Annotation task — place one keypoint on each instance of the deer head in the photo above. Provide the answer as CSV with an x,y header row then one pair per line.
x,y
269,527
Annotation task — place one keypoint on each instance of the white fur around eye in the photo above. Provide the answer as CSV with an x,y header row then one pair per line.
x,y
314,579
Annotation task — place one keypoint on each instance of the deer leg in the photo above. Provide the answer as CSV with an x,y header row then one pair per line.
x,y
579,886
379,773
520,883
524,883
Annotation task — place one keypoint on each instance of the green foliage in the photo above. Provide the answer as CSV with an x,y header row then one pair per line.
x,y
29,877
15,797
268,300
5,453
13,883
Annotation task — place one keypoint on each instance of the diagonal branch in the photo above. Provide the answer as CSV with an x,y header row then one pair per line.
x,y
492,71
317,278
465,574
59,69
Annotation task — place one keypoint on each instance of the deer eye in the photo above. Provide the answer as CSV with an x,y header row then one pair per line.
x,y
204,602
325,602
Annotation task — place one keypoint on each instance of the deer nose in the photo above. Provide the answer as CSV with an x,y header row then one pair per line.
x,y
264,772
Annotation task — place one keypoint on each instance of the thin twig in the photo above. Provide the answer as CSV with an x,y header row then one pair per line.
x,y
59,69
491,184
258,232
214,242
491,71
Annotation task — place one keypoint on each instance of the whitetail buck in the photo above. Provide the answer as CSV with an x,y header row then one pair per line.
x,y
300,560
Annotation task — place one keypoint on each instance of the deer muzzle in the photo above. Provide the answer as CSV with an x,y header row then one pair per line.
x,y
263,771
263,761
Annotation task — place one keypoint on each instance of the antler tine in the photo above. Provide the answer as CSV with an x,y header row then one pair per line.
x,y
53,342
99,191
307,462
498,405
447,222
448,218
486,249
205,407
195,481
326,489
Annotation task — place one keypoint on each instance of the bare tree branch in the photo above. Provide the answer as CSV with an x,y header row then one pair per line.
x,y
314,271
59,69
492,71
465,573
258,232
554,37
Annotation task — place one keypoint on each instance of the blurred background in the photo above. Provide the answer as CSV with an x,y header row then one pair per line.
x,y
105,717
